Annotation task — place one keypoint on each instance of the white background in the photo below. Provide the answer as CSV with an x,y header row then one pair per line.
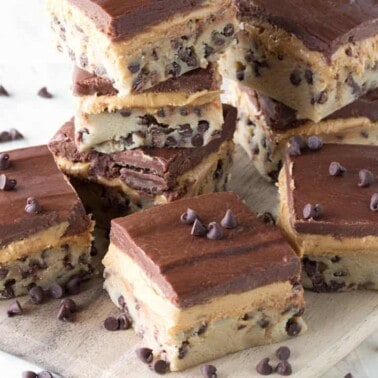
x,y
28,61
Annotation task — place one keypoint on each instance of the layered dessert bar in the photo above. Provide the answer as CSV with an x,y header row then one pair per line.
x,y
265,126
150,176
328,210
313,56
140,44
196,296
181,112
45,234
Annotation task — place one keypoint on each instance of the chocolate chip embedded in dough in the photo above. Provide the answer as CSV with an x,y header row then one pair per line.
x,y
293,328
336,169
295,78
309,76
133,67
240,75
173,69
267,218
366,178
217,38
197,140
263,367
208,50
228,30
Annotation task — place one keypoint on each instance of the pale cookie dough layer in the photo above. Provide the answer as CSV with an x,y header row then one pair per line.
x,y
160,127
278,64
155,55
190,336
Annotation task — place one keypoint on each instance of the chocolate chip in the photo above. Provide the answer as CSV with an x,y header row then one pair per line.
x,y
3,91
15,134
295,78
65,314
36,294
171,142
294,147
374,202
188,56
73,285
311,211
366,178
349,375
125,113
314,143
228,30
45,374
336,169
29,374
217,38
160,366
208,50
173,69
267,218
263,323
215,232
197,140
57,291
14,309
133,67
229,220
283,353
321,98
240,75
144,354
293,328
189,216
348,51
111,323
203,126
4,162
124,322
198,229
6,183
69,303
208,371
309,76
32,206
44,93
284,368
263,367
183,350
5,136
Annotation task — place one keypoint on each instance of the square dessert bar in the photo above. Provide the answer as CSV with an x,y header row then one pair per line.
x,y
328,210
314,56
139,44
181,112
265,126
45,234
197,292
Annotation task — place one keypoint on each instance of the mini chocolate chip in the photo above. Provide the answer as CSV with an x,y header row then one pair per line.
x,y
6,183
263,367
295,78
29,374
44,93
314,143
203,126
124,322
57,291
208,371
45,374
374,202
32,206
309,76
36,294
160,366
189,216
240,75
283,353
283,368
65,314
229,220
4,162
69,303
73,285
267,218
217,38
125,113
15,134
215,232
111,323
208,50
366,178
348,51
3,91
173,69
293,328
133,67
312,211
144,354
198,229
197,140
322,98
336,169
228,30
14,309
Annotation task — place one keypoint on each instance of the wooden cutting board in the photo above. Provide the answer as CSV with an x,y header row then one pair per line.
x,y
337,323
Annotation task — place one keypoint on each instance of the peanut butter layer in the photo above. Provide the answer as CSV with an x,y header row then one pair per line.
x,y
37,176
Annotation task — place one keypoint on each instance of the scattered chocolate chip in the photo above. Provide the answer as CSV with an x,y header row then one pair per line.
x,y
263,367
366,178
197,140
69,303
133,67
160,366
296,144
124,322
14,309
44,93
228,30
374,202
229,220
45,374
314,143
57,291
4,162
188,56
3,91
173,69
309,76
214,231
283,368
208,371
295,78
283,353
6,183
267,218
240,75
65,314
73,285
293,328
111,323
203,126
198,229
29,374
312,211
349,375
36,294
336,169
322,98
144,354
15,134
32,206
189,216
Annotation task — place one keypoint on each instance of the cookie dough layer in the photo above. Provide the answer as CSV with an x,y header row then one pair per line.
x,y
189,336
186,39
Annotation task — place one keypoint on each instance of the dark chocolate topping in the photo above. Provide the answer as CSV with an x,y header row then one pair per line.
x,y
191,270
322,25
86,84
346,206
149,170
121,19
37,176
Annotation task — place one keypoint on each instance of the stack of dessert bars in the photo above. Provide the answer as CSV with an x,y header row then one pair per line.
x,y
296,71
149,126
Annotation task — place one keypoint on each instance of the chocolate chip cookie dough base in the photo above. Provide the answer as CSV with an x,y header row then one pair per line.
x,y
159,52
186,337
278,64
